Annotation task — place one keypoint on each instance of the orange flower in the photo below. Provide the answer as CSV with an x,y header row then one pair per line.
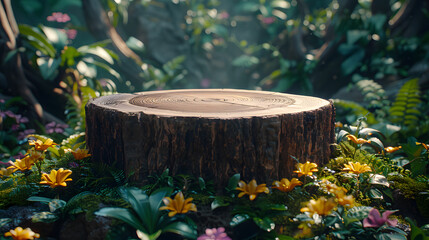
x,y
424,145
321,206
178,205
338,125
392,149
285,185
356,140
252,189
39,145
306,169
22,234
80,154
56,178
356,168
22,164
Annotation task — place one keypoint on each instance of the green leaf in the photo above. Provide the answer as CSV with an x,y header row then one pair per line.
x,y
4,221
46,217
379,179
97,51
54,35
48,67
181,229
390,236
233,182
375,193
359,213
353,62
265,224
238,219
354,35
218,202
122,214
41,42
39,199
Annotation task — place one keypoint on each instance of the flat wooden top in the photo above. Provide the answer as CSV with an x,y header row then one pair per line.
x,y
210,103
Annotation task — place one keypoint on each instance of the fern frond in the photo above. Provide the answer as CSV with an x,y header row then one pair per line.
x,y
74,141
405,110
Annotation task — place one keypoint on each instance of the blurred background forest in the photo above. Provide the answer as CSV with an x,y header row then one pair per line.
x,y
54,55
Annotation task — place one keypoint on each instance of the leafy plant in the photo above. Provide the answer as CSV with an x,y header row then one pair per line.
x,y
404,110
145,215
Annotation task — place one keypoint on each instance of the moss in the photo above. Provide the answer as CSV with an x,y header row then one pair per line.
x,y
408,186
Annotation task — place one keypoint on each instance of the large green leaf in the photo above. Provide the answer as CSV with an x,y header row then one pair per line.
x,y
233,182
181,229
41,42
122,214
359,213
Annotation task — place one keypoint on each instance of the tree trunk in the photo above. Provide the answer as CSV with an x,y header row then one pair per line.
x,y
210,133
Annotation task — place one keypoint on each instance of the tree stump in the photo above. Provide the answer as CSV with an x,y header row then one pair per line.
x,y
210,133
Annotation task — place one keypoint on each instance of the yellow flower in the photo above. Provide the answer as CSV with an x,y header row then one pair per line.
x,y
356,140
306,169
56,178
356,168
22,164
344,199
39,145
178,205
285,185
321,206
6,172
22,234
252,189
424,145
34,155
80,154
392,149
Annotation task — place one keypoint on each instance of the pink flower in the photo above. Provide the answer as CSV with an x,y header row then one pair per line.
x,y
268,20
58,17
54,127
374,219
214,234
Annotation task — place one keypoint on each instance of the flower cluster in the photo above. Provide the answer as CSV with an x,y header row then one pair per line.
x,y
214,234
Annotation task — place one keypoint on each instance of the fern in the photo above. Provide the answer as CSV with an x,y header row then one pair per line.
x,y
374,97
405,110
74,141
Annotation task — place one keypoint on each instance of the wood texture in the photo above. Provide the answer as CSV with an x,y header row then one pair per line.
x,y
210,133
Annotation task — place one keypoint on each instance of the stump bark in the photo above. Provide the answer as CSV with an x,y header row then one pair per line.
x,y
211,133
